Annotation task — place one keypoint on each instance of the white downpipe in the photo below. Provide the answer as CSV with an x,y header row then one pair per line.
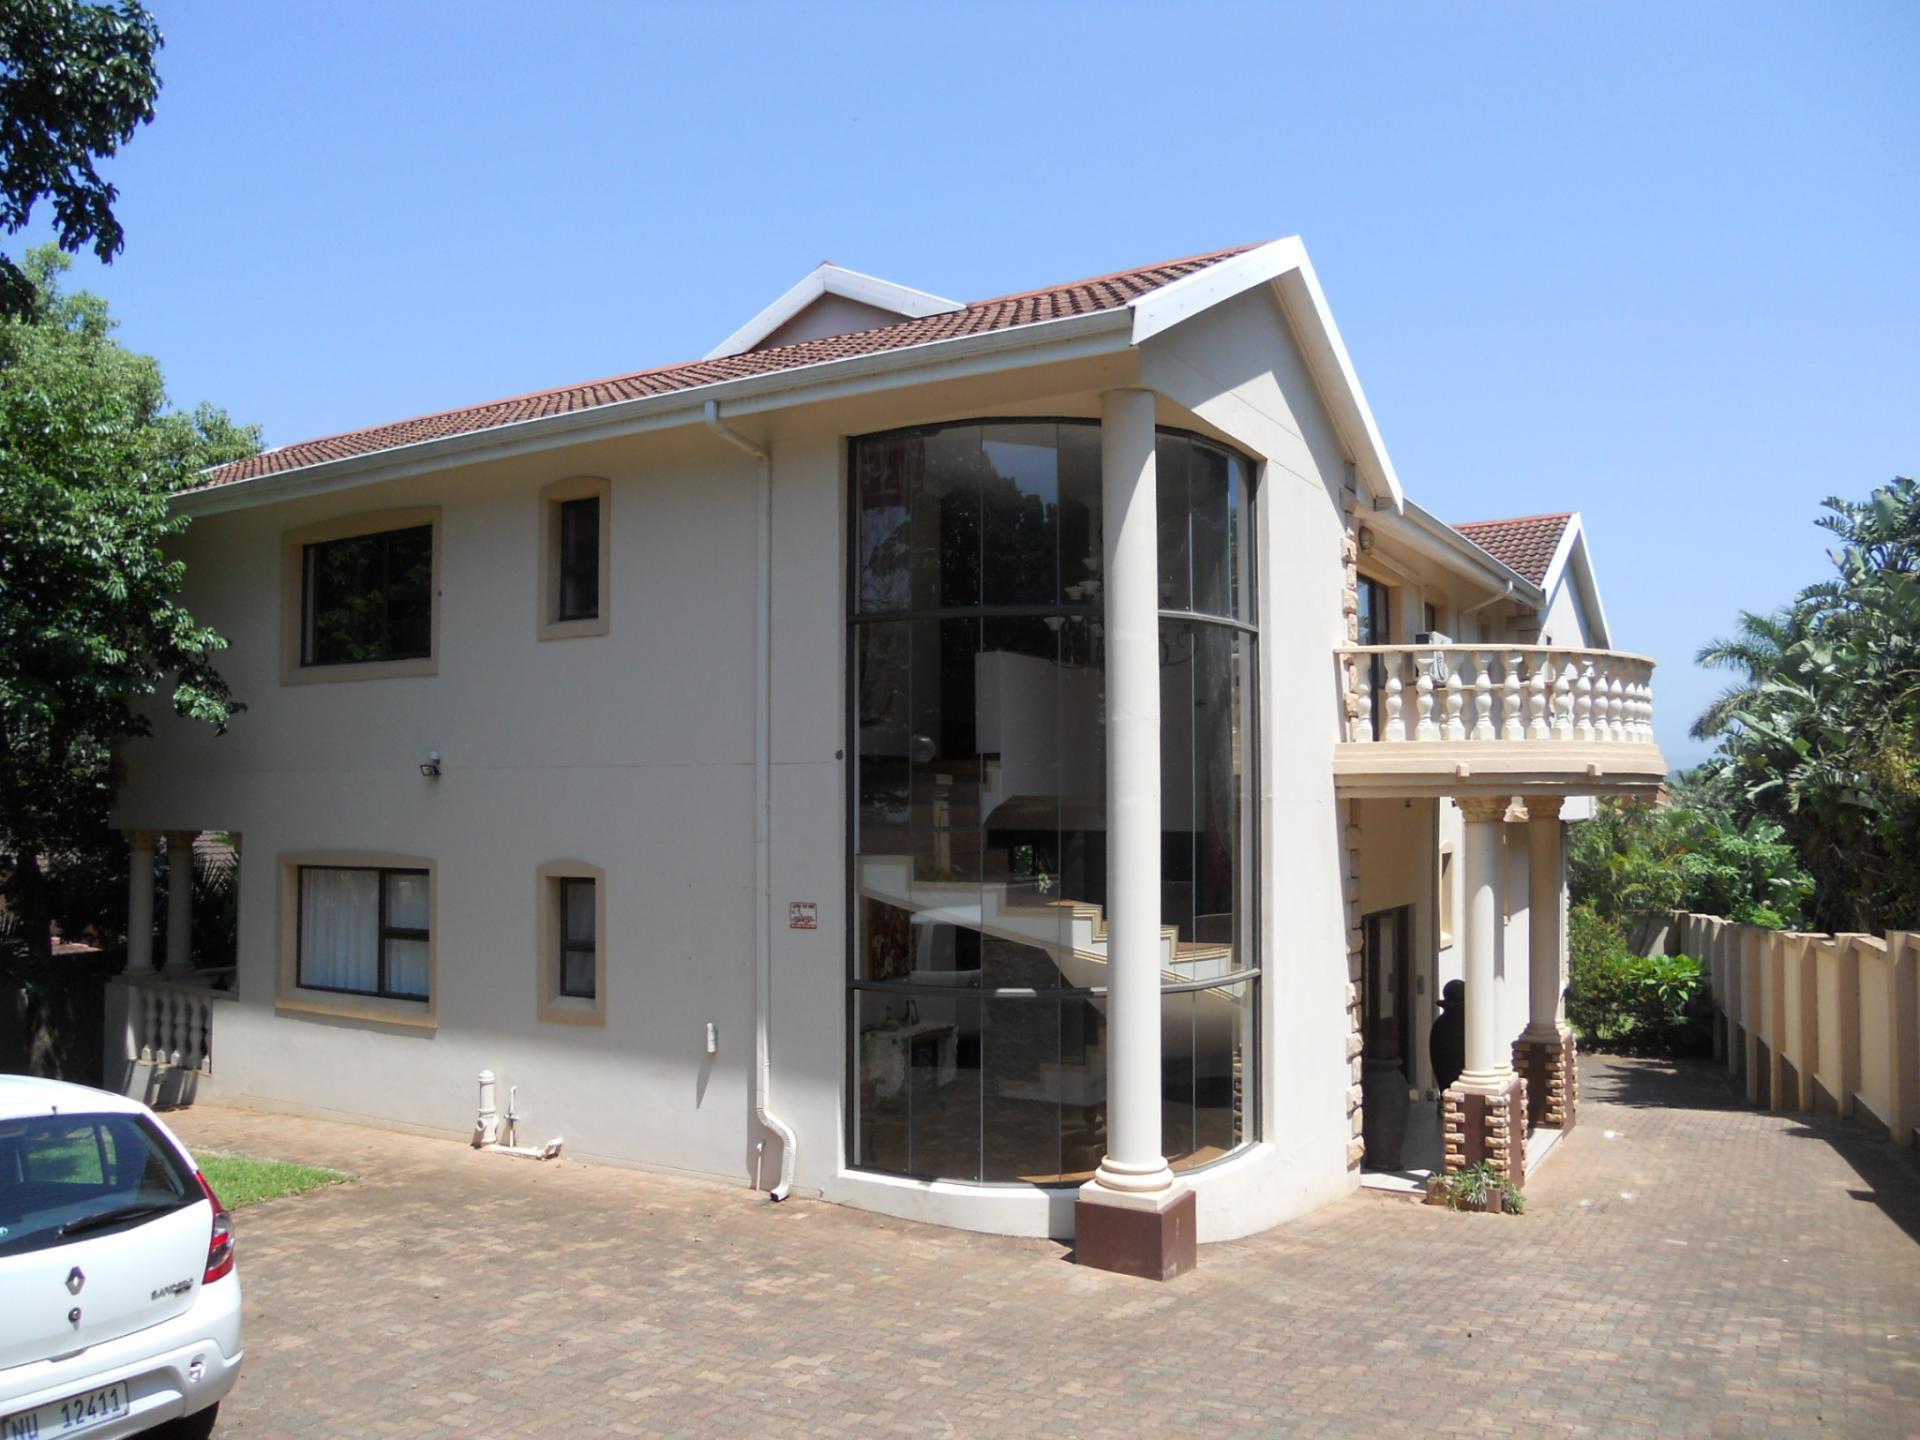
x,y
762,800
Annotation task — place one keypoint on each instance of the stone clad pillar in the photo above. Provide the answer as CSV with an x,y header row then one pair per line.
x,y
1483,1113
179,904
140,904
1133,1216
1545,1053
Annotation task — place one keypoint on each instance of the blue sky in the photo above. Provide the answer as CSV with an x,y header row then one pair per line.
x,y
1653,262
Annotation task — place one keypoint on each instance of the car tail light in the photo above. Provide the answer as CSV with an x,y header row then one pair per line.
x,y
220,1246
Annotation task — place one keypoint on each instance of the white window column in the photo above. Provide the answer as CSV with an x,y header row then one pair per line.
x,y
1489,1054
1135,1162
1546,941
179,903
140,904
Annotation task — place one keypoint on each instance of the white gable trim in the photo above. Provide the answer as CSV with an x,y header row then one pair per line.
x,y
1284,265
1572,561
830,279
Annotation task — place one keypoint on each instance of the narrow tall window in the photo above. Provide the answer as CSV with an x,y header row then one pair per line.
x,y
579,941
579,558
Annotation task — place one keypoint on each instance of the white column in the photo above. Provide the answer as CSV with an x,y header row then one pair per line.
x,y
1489,1054
179,903
1134,1161
1546,851
140,905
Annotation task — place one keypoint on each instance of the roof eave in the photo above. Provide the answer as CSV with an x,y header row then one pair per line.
x,y
1045,341
1445,542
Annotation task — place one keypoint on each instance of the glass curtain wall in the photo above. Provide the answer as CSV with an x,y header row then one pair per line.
x,y
978,983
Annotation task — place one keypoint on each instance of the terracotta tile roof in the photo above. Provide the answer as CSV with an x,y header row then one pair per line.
x,y
1525,543
1081,297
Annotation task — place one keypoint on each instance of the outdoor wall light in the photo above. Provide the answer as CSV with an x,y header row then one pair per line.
x,y
430,767
1366,539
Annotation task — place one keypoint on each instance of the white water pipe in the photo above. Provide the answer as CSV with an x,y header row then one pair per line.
x,y
762,800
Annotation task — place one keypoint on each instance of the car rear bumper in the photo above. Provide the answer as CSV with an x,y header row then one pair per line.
x,y
174,1368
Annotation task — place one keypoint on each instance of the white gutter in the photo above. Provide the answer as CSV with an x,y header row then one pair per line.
x,y
762,798
1074,337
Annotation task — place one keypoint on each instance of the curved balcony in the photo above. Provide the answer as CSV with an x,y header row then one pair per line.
x,y
1496,719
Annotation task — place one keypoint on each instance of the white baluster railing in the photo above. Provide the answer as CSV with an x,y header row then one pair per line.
x,y
1504,694
171,1021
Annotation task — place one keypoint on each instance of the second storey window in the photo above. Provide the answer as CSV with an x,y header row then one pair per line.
x,y
367,598
580,559
364,931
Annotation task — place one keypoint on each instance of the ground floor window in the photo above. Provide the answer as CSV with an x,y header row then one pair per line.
x,y
364,931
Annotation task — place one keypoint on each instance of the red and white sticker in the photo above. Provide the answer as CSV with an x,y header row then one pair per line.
x,y
803,915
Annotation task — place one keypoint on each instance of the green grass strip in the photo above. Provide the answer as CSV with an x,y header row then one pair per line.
x,y
240,1180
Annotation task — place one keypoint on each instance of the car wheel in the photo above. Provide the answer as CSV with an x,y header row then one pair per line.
x,y
197,1426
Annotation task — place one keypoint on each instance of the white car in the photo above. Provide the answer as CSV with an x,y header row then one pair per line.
x,y
119,1305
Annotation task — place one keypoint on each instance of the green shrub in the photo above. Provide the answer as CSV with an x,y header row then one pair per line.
x,y
1633,1004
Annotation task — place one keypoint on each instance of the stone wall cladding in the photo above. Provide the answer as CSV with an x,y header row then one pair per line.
x,y
1552,1073
1350,840
1493,1128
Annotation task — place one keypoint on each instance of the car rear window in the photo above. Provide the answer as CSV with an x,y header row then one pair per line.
x,y
67,1176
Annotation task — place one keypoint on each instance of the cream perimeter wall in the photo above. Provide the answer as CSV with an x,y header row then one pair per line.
x,y
634,751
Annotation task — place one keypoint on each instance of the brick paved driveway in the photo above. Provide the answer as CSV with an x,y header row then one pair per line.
x,y
1704,1270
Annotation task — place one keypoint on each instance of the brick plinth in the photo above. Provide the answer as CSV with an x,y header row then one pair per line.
x,y
1493,1128
1552,1072
1151,1236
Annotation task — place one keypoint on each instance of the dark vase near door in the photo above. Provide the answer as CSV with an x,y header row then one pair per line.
x,y
1384,1106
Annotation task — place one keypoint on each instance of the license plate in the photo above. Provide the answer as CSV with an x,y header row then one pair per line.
x,y
67,1417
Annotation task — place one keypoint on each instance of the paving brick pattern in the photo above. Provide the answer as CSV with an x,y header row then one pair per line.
x,y
1686,1267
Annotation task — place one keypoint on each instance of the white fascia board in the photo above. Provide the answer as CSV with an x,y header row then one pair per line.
x,y
1285,265
1074,337
1572,560
1442,542
831,279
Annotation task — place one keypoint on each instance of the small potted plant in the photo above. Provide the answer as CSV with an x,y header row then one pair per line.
x,y
1478,1187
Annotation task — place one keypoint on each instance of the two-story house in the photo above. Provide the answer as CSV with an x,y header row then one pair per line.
x,y
1015,765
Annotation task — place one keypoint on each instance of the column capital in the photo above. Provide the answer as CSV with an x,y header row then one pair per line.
x,y
1484,807
1544,807
182,837
141,837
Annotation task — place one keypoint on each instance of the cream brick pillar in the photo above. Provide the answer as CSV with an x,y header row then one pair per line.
x,y
1484,1111
1544,1054
179,904
1133,1216
140,904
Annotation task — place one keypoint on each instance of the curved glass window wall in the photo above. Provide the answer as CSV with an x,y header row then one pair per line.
x,y
978,989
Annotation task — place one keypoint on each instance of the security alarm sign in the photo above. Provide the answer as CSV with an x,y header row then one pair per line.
x,y
803,915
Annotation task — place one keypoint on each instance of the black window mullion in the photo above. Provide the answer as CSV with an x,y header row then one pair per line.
x,y
380,977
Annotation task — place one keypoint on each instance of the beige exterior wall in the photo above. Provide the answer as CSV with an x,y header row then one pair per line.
x,y
633,751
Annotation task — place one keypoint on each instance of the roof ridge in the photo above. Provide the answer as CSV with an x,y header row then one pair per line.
x,y
1517,519
1205,256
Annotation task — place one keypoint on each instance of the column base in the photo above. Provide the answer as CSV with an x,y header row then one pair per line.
x,y
1477,1127
1151,1236
1552,1072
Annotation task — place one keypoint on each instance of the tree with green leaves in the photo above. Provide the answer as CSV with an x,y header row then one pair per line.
x,y
76,81
91,622
1822,733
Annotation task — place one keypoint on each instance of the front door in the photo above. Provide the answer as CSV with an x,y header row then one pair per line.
x,y
1388,993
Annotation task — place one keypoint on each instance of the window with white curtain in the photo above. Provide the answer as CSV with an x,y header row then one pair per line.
x,y
364,931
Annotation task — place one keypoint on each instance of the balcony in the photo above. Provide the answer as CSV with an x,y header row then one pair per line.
x,y
1496,720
